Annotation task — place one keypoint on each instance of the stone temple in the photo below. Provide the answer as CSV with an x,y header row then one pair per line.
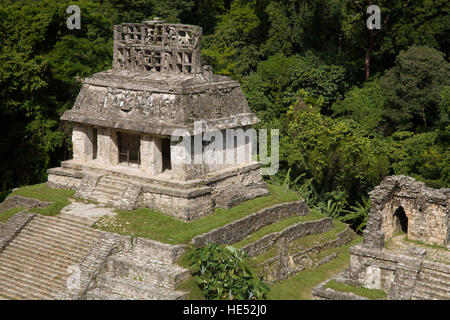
x,y
406,246
126,152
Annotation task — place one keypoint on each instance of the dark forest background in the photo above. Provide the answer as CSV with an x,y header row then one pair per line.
x,y
352,105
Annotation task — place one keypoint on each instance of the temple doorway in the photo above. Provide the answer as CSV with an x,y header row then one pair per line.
x,y
400,220
94,143
165,149
129,148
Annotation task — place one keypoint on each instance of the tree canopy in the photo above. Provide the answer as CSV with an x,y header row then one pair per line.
x,y
302,65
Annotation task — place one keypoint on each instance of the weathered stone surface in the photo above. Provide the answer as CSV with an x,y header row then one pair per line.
x,y
19,201
407,274
321,293
35,264
13,226
426,211
239,229
298,230
156,91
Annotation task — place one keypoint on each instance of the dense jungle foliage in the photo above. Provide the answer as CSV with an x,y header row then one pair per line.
x,y
352,105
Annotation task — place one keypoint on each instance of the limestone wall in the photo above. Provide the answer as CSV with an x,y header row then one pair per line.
x,y
298,230
374,269
237,186
180,207
239,229
64,178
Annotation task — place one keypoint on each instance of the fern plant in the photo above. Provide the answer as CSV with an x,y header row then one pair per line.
x,y
358,215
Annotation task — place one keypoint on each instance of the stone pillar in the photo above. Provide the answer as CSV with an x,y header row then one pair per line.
x,y
83,149
151,155
181,156
107,146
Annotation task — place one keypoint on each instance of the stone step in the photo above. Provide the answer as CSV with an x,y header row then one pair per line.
x,y
48,233
61,229
68,224
115,179
99,294
24,288
50,255
35,283
15,293
51,233
432,286
36,270
111,187
34,265
10,296
436,274
57,267
104,199
147,270
34,241
136,289
438,282
65,219
428,293
70,218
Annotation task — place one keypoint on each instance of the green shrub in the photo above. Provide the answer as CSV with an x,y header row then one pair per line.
x,y
222,274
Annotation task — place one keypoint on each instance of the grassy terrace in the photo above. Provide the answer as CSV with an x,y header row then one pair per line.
x,y
299,286
278,226
150,224
296,287
303,242
4,216
58,197
372,294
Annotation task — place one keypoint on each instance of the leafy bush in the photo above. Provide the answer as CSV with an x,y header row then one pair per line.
x,y
223,274
357,215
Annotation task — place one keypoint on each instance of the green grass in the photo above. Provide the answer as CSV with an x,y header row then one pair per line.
x,y
279,226
58,197
305,242
299,286
319,238
372,294
5,215
154,225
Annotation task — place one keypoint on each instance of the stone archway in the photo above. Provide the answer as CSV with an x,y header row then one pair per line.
x,y
400,220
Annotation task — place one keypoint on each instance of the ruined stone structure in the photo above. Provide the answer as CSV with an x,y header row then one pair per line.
x,y
405,270
401,203
132,125
62,257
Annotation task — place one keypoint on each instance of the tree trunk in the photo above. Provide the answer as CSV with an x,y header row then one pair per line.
x,y
369,53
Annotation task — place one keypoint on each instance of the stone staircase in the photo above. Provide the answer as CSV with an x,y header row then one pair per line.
x,y
131,276
35,264
109,190
432,285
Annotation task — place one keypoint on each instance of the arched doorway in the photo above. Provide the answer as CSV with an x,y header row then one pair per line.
x,y
400,220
